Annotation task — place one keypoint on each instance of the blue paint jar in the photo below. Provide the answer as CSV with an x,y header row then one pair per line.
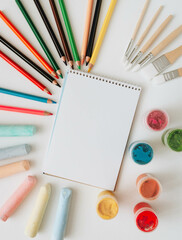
x,y
141,152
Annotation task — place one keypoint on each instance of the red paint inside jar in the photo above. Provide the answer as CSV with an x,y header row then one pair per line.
x,y
146,220
157,120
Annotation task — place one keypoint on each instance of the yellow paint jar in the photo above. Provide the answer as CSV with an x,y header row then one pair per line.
x,y
107,206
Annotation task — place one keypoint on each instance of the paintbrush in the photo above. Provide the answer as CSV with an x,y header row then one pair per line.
x,y
167,76
149,26
161,63
130,45
164,43
151,40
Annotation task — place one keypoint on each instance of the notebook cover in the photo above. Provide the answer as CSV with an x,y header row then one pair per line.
x,y
91,129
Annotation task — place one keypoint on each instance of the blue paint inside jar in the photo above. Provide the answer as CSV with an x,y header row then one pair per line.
x,y
142,153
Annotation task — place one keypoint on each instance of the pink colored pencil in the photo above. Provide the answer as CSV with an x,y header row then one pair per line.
x,y
25,110
17,197
86,31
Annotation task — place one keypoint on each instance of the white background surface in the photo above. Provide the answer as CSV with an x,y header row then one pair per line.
x,y
166,166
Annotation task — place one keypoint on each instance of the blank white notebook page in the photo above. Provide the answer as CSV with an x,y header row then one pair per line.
x,y
91,129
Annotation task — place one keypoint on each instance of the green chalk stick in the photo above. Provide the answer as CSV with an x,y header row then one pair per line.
x,y
17,130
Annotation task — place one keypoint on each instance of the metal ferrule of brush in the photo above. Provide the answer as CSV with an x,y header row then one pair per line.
x,y
161,63
132,53
171,75
146,59
136,58
130,45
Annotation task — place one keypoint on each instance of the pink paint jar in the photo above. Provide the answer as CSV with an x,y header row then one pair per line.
x,y
148,186
156,119
146,219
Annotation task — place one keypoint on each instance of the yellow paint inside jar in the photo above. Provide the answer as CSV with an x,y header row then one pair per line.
x,y
107,206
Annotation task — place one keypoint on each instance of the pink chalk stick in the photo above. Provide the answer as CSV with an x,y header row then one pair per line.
x,y
17,197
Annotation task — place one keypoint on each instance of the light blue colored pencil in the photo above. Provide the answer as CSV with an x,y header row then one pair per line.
x,y
25,95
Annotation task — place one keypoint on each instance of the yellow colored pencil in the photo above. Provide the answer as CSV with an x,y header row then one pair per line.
x,y
102,34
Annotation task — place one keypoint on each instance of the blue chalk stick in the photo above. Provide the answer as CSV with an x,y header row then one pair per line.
x,y
14,151
62,214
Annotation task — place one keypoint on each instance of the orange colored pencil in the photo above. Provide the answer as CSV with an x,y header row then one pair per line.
x,y
27,44
86,31
25,110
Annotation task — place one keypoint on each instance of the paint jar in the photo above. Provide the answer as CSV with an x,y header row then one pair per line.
x,y
156,119
172,138
107,206
141,152
148,186
146,219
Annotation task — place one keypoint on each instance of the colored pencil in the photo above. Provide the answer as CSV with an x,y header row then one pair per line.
x,y
102,34
25,95
70,33
25,73
24,110
61,33
29,61
50,31
93,31
39,38
27,44
86,31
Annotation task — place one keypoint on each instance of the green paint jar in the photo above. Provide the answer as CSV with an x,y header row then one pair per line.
x,y
172,138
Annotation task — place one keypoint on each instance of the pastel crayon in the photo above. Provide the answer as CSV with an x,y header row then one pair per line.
x,y
62,214
17,197
38,211
17,130
13,168
14,151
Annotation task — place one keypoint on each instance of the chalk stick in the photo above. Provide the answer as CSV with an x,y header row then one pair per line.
x,y
17,197
62,214
13,168
17,130
38,211
14,151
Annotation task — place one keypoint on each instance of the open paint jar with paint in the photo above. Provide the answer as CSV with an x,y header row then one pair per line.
x,y
148,186
146,218
107,206
141,152
156,119
172,138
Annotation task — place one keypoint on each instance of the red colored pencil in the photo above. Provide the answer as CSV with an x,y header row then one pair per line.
x,y
27,44
25,73
25,110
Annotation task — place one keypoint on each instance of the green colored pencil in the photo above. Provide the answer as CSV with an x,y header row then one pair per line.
x,y
70,33
39,38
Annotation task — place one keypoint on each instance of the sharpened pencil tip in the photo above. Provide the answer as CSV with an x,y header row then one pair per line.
x,y
79,67
65,63
89,70
58,85
61,75
87,63
82,61
56,77
54,102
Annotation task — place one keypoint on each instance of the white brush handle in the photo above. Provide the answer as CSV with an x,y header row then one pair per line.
x,y
174,55
180,71
149,26
156,34
167,41
140,19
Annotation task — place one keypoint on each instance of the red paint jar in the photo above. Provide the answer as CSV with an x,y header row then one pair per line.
x,y
146,219
156,119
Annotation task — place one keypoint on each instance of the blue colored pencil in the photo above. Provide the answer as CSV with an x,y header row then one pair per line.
x,y
25,95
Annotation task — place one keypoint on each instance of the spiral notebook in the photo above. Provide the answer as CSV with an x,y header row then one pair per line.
x,y
91,129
